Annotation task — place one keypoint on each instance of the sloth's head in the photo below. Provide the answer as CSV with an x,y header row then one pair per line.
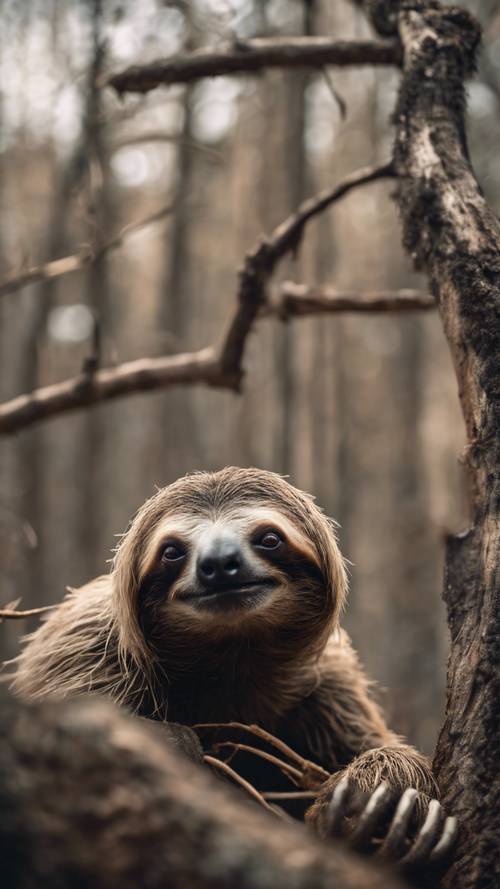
x,y
225,555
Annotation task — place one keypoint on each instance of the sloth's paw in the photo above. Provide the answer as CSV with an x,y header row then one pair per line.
x,y
406,827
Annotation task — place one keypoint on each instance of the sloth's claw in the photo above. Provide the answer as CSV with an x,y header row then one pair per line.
x,y
395,842
336,807
380,826
443,847
426,838
374,811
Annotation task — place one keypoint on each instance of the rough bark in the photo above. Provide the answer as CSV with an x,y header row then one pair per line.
x,y
92,798
299,300
254,55
452,234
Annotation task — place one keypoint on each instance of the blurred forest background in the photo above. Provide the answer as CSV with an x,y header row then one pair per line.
x,y
361,410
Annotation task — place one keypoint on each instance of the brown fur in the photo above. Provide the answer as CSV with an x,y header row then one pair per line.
x,y
286,666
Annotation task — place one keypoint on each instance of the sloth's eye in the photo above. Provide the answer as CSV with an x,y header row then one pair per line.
x,y
172,552
269,540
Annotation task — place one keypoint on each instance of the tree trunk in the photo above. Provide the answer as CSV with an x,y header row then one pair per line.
x,y
451,233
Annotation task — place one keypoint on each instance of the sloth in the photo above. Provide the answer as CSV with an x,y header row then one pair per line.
x,y
223,606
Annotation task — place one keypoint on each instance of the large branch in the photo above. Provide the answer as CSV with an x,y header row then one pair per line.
x,y
450,231
214,366
255,55
91,797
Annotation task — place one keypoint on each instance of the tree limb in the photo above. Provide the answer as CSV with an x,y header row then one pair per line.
x,y
255,55
451,233
261,262
214,366
298,300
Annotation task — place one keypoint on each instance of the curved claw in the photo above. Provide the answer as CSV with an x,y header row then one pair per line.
x,y
426,837
445,844
375,808
395,841
335,811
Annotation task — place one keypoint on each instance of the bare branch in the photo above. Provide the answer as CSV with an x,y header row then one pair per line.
x,y
297,300
305,764
249,788
13,614
220,367
145,374
290,771
56,268
255,55
261,262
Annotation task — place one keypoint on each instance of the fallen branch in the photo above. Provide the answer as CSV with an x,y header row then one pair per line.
x,y
297,300
213,366
56,268
255,55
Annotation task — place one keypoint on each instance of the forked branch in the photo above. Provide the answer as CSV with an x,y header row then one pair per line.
x,y
213,366
305,766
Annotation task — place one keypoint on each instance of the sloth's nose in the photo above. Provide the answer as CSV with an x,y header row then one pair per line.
x,y
221,562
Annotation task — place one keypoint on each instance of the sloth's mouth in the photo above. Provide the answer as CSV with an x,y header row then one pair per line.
x,y
231,596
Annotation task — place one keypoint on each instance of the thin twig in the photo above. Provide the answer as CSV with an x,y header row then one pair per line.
x,y
286,768
255,55
13,614
223,767
290,794
56,268
264,735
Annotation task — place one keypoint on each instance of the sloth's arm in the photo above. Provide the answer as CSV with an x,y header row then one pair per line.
x,y
339,724
382,795
351,729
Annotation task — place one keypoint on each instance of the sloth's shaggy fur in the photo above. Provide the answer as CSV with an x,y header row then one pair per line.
x,y
289,668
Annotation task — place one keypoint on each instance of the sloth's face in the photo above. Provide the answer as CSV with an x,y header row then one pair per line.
x,y
227,569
